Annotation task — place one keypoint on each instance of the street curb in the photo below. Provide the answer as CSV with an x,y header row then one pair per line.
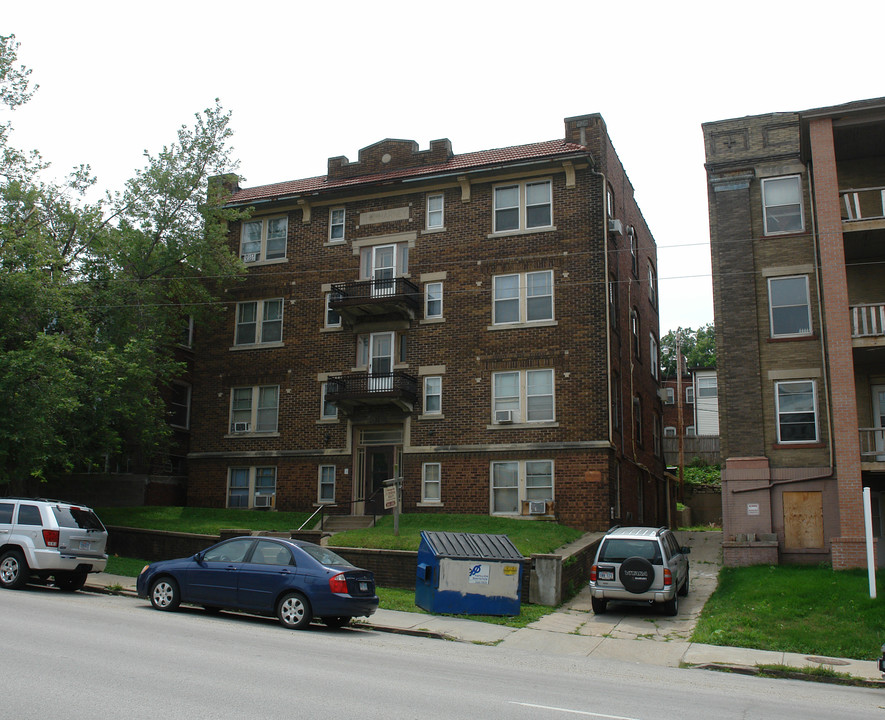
x,y
103,590
756,671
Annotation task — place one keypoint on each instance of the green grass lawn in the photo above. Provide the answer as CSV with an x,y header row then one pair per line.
x,y
207,521
528,536
808,610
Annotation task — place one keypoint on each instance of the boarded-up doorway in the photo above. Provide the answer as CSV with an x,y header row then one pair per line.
x,y
803,520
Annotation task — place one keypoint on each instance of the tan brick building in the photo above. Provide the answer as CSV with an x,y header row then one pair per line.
x,y
484,326
797,222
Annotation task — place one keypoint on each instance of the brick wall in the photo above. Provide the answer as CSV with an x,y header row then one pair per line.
x,y
467,256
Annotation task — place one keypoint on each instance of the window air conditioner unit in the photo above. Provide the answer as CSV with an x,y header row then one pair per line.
x,y
263,501
503,417
615,227
537,507
242,427
250,257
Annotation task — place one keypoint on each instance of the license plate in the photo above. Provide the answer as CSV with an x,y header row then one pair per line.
x,y
85,545
364,587
606,574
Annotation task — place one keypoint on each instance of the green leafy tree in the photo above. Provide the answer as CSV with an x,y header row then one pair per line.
x,y
698,348
95,293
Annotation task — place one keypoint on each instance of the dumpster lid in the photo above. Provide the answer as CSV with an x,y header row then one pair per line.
x,y
474,546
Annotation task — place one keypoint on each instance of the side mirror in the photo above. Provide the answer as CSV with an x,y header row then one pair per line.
x,y
198,557
685,550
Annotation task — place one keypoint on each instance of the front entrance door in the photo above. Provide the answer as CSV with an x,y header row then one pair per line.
x,y
879,419
379,467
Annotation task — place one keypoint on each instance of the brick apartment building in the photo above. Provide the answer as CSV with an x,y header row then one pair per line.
x,y
484,326
797,222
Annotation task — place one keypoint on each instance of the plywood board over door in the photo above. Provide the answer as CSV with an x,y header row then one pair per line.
x,y
803,520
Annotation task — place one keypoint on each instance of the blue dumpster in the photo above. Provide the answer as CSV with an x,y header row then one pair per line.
x,y
468,573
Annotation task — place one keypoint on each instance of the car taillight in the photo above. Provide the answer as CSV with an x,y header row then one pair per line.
x,y
338,583
668,577
593,574
50,538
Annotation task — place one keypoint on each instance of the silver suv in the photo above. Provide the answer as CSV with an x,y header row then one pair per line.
x,y
639,564
42,538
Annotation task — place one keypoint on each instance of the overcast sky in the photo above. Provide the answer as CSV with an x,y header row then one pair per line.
x,y
311,80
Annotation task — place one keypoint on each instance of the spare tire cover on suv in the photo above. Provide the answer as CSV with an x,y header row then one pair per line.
x,y
636,574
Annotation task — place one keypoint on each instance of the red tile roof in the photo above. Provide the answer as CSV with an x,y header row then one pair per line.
x,y
467,161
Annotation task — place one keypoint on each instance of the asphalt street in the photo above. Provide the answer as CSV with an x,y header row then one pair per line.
x,y
87,655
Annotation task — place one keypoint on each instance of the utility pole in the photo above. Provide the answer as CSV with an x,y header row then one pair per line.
x,y
680,422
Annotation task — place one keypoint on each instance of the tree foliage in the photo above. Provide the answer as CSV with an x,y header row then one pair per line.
x,y
95,294
698,348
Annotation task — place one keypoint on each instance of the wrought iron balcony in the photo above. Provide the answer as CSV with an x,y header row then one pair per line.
x,y
365,391
868,321
367,300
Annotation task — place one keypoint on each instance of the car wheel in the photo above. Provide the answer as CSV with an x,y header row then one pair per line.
x,y
684,589
636,574
70,582
293,611
164,594
671,607
598,605
13,570
337,622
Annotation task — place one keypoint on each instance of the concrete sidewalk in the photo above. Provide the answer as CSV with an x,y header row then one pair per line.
x,y
625,633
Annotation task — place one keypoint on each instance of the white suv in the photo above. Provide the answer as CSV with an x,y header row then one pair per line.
x,y
42,538
639,564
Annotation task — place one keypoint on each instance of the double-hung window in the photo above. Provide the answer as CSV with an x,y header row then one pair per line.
x,y
522,298
669,396
328,410
326,489
433,395
516,480
523,206
259,322
652,285
789,306
254,409
431,482
634,331
336,225
523,396
782,205
331,318
263,239
251,487
433,300
653,362
435,212
796,408
707,387
179,405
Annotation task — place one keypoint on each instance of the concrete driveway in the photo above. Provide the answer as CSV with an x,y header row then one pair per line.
x,y
643,622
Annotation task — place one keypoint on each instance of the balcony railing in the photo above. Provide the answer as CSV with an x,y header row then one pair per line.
x,y
372,389
872,444
863,204
868,320
371,298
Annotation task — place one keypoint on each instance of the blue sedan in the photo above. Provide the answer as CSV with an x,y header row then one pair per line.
x,y
294,580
